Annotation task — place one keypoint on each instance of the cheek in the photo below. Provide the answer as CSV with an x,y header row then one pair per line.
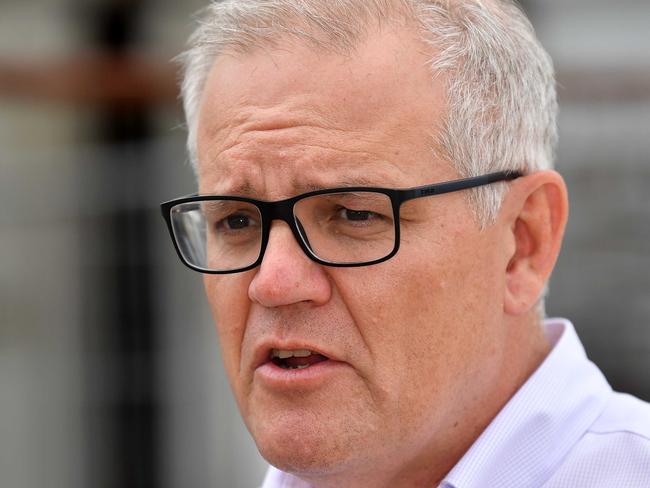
x,y
397,315
422,314
228,299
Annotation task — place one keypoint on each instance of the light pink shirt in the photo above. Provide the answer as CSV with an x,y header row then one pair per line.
x,y
564,428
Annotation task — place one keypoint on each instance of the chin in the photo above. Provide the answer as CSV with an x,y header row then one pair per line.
x,y
304,444
312,456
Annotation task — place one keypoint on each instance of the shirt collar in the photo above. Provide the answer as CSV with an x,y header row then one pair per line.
x,y
533,432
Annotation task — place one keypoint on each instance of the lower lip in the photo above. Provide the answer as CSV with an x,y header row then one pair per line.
x,y
313,376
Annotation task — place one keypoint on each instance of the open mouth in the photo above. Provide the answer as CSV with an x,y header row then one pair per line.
x,y
295,359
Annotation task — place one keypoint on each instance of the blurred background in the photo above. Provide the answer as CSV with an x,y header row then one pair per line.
x,y
109,367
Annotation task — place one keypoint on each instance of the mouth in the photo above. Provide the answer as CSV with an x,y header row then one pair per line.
x,y
287,367
295,358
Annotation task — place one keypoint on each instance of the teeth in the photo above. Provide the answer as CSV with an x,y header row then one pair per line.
x,y
302,353
284,354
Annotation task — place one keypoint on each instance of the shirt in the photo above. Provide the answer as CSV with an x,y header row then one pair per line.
x,y
564,427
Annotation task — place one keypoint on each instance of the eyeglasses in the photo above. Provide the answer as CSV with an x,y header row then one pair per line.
x,y
356,226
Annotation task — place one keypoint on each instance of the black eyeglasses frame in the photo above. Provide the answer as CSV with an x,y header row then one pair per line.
x,y
283,210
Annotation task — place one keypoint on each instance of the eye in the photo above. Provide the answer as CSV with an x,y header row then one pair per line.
x,y
357,215
236,221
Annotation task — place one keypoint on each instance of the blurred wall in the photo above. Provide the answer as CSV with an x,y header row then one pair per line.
x,y
85,372
602,280
109,365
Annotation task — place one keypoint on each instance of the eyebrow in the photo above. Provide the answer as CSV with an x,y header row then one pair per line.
x,y
240,189
346,181
247,189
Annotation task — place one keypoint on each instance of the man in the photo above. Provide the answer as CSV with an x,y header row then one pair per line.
x,y
380,326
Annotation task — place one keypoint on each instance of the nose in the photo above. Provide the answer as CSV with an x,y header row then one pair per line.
x,y
287,276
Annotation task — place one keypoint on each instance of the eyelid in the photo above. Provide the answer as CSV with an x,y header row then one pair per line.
x,y
220,210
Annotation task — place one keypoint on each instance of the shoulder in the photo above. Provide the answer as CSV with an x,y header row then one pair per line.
x,y
614,451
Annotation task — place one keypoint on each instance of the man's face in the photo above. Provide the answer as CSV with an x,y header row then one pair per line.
x,y
410,342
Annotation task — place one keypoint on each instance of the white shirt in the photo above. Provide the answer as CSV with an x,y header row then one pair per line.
x,y
564,428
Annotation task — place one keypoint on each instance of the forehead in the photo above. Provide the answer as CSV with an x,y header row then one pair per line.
x,y
304,114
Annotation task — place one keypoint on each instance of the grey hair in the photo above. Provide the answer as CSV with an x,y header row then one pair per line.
x,y
500,84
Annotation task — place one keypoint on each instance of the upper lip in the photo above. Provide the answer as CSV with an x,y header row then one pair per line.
x,y
262,353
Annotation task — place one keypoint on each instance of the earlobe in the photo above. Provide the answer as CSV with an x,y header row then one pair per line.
x,y
538,212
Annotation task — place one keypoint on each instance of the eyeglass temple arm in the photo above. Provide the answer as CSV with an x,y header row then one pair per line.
x,y
457,185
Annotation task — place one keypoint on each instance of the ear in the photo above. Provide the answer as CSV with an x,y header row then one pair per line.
x,y
536,209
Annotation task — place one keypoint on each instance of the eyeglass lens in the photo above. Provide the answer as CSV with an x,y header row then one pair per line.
x,y
339,228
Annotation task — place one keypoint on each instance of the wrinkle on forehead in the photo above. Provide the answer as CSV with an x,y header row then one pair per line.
x,y
294,119
245,179
304,157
